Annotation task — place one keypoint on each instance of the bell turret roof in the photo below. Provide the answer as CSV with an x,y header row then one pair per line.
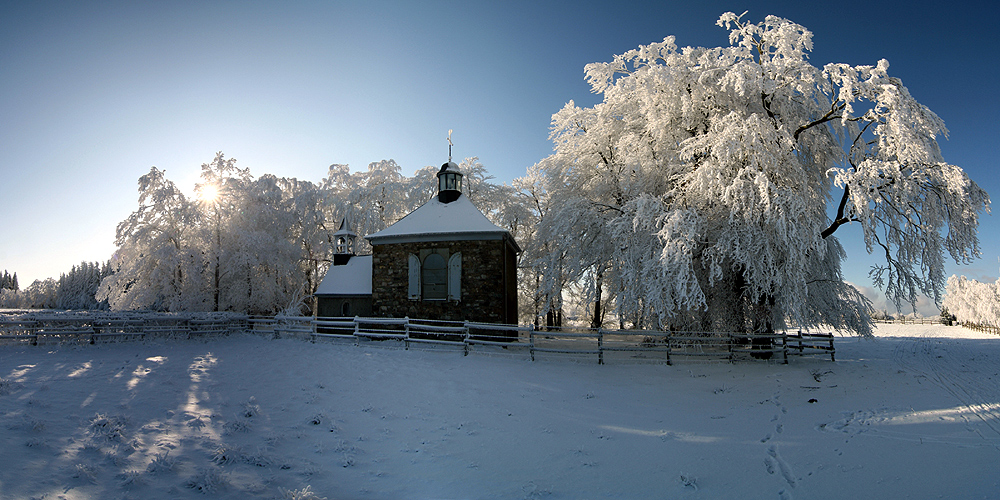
x,y
345,228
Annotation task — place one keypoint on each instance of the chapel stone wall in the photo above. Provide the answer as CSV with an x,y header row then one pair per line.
x,y
487,266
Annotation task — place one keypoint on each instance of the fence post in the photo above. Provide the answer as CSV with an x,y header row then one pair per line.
x,y
784,346
669,347
732,339
406,330
357,330
465,339
531,341
600,346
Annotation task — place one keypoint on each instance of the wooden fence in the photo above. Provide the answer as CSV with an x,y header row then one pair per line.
x,y
604,345
982,328
600,344
910,321
92,328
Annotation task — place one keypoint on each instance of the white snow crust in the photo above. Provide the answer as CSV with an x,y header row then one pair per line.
x,y
913,413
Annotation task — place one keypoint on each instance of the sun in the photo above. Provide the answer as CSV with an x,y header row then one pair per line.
x,y
208,193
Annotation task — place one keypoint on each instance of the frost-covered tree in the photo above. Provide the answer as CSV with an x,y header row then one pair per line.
x,y
220,191
247,245
696,192
261,252
78,288
8,282
40,294
974,302
10,299
262,245
160,262
312,232
538,261
371,199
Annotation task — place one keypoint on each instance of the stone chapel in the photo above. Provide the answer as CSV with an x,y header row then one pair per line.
x,y
443,261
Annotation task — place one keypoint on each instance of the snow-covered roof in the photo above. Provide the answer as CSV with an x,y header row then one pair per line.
x,y
345,228
436,221
353,278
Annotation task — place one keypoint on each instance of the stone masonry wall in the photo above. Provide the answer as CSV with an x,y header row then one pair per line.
x,y
485,296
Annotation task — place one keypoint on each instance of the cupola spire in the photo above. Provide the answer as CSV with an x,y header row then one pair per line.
x,y
449,145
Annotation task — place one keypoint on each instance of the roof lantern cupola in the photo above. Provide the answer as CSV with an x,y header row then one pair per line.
x,y
344,242
449,179
449,183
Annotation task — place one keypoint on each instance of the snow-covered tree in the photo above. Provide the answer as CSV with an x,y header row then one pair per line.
x,y
9,299
260,250
261,245
78,288
974,302
697,190
8,282
311,231
160,263
537,261
40,294
372,199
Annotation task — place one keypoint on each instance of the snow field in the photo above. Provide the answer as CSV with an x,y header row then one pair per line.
x,y
914,413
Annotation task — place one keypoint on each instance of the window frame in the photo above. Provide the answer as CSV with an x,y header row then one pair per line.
x,y
434,280
451,274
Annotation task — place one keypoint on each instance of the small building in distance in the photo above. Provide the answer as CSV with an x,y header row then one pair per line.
x,y
443,261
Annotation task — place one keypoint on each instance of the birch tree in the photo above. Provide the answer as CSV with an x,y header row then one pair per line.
x,y
697,190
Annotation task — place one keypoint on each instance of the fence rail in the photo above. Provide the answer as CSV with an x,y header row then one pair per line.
x,y
606,345
982,328
600,343
93,328
910,321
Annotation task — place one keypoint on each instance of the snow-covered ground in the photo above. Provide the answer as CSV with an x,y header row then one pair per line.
x,y
914,413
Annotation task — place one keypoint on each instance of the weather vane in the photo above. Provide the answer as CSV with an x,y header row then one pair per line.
x,y
449,145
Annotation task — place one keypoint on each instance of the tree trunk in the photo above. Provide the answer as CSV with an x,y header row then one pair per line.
x,y
598,318
763,325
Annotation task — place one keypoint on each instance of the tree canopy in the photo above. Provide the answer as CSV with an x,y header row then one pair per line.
x,y
697,192
261,245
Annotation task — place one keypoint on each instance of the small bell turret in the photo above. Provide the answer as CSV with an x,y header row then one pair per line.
x,y
344,243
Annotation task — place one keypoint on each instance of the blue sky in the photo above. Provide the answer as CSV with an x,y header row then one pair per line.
x,y
94,94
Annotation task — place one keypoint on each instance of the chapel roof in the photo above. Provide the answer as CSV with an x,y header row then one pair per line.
x,y
459,220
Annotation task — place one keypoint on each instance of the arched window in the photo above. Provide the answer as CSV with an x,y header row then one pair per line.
x,y
345,310
434,277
